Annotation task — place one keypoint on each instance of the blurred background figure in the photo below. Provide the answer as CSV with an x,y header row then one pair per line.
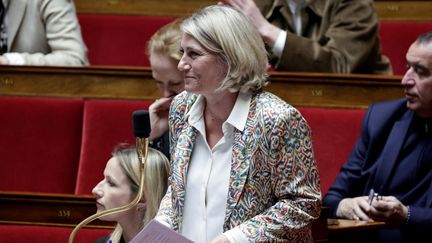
x,y
40,32
120,186
164,53
339,36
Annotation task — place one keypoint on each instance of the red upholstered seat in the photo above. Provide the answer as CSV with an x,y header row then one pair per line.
x,y
44,234
119,40
334,133
40,142
396,37
106,124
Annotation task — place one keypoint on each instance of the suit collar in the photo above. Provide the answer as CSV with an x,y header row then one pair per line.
x,y
240,165
391,151
317,7
18,8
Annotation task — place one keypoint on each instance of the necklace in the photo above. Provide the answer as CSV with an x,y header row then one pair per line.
x,y
212,116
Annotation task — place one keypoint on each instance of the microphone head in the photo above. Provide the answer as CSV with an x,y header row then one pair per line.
x,y
141,123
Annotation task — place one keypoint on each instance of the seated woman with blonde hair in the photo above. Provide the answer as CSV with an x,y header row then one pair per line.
x,y
120,186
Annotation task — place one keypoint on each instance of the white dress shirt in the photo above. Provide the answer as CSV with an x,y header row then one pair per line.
x,y
208,176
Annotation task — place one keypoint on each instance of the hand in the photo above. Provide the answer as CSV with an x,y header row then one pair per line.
x,y
159,116
267,31
220,239
354,208
4,60
390,210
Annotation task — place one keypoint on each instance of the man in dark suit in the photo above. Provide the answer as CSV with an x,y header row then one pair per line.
x,y
394,158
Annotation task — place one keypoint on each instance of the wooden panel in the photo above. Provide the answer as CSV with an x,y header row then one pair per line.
x,y
142,7
387,9
87,82
302,89
47,209
334,90
404,10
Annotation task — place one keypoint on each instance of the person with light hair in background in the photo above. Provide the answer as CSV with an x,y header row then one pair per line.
x,y
243,168
164,53
120,186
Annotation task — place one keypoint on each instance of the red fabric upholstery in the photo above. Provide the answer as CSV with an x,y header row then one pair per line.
x,y
106,124
39,144
334,133
396,37
119,40
44,234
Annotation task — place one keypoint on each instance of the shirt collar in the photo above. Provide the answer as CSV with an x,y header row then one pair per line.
x,y
237,117
240,111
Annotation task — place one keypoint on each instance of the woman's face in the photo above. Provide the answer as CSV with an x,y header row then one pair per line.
x,y
113,191
168,78
203,72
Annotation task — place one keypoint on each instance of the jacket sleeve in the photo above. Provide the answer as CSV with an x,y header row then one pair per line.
x,y
294,180
63,34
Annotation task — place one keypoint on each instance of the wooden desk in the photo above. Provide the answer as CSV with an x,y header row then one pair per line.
x,y
68,210
299,89
47,209
353,231
407,10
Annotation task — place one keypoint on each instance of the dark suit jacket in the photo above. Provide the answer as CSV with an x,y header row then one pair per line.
x,y
373,163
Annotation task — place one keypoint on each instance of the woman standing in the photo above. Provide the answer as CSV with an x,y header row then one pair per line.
x,y
242,162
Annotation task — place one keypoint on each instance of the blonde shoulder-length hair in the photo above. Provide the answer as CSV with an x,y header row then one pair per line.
x,y
156,171
231,36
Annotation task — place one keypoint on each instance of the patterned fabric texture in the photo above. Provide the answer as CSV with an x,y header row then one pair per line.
x,y
274,192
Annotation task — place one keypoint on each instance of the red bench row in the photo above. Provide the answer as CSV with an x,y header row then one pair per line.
x,y
58,145
120,40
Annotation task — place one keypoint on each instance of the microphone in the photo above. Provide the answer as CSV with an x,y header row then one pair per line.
x,y
141,129
141,123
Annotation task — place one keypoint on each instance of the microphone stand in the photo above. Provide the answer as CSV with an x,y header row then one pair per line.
x,y
142,149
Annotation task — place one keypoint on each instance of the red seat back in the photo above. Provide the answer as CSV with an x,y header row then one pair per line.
x,y
106,124
39,144
396,37
119,40
43,234
334,133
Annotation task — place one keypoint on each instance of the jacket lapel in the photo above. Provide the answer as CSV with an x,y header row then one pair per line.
x,y
182,156
18,8
391,152
242,152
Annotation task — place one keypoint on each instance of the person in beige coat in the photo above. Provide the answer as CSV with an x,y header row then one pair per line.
x,y
339,36
43,32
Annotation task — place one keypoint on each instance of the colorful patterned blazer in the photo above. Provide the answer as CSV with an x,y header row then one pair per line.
x,y
274,193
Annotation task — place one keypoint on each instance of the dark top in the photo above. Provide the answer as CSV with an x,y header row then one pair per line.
x,y
162,144
105,239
